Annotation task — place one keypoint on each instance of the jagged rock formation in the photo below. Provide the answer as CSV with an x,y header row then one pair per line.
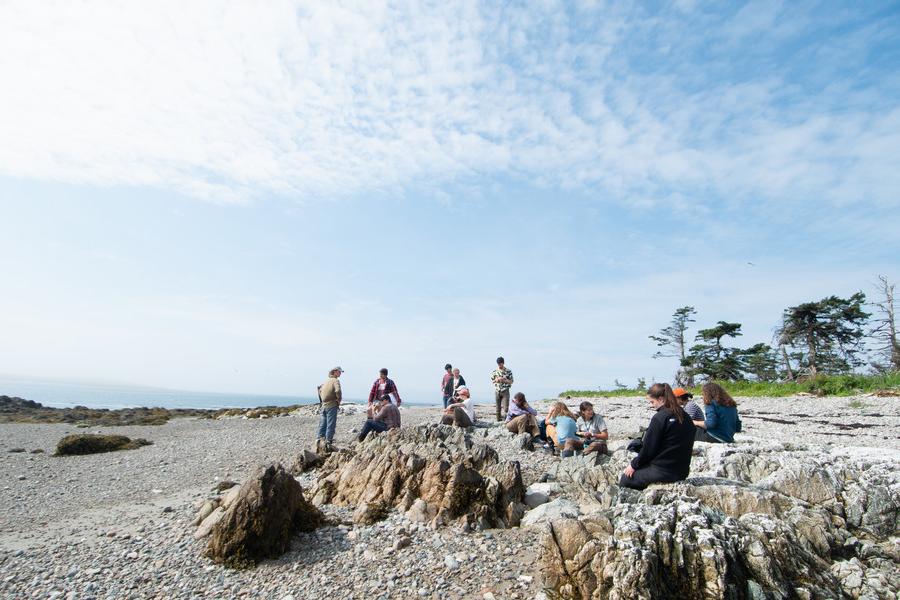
x,y
757,521
260,518
435,473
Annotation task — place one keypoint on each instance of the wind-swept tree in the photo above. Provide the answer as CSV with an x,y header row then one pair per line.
x,y
761,362
710,359
884,332
672,341
829,333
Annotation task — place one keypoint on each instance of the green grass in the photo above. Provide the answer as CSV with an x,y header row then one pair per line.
x,y
823,385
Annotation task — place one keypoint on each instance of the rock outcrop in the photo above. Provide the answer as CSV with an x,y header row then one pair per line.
x,y
436,473
259,518
756,521
91,443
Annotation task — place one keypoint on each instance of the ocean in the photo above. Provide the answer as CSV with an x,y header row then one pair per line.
x,y
63,394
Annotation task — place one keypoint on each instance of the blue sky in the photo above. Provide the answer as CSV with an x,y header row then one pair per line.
x,y
228,199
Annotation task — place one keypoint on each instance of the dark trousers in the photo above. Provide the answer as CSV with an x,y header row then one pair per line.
x,y
372,425
702,436
502,401
458,418
644,477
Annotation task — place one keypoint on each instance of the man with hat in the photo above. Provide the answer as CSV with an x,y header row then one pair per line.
x,y
330,397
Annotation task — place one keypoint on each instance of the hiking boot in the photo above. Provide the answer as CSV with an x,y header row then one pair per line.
x,y
566,453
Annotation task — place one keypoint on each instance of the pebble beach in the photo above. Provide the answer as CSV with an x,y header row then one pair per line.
x,y
117,525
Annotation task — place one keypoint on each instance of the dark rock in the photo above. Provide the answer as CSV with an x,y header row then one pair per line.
x,y
439,473
224,485
307,461
261,521
16,450
90,443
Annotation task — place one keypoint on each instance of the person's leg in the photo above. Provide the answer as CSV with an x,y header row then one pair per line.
x,y
497,399
379,426
570,447
531,426
542,426
460,418
447,420
515,425
644,477
366,428
331,424
505,400
323,425
446,401
703,436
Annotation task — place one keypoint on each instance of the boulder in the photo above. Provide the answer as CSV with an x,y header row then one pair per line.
x,y
260,522
306,461
551,511
758,520
534,499
90,443
208,522
435,473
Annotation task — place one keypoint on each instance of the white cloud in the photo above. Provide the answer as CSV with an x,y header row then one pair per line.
x,y
232,100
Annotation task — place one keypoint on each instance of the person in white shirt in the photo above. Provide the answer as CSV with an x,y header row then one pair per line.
x,y
462,413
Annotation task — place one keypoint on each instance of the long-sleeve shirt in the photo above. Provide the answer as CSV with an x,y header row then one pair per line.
x,y
330,392
667,444
516,411
722,422
446,386
389,415
389,388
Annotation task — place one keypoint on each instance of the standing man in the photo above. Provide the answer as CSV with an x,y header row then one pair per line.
x,y
330,395
383,387
502,378
447,383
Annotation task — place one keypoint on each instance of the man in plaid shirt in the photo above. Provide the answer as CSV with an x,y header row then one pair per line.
x,y
383,387
502,378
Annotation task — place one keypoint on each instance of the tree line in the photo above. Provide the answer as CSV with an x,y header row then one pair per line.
x,y
830,336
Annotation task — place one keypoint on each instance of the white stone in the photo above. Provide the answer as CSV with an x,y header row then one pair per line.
x,y
551,511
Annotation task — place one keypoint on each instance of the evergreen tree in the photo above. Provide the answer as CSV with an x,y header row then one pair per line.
x,y
710,359
761,362
672,341
829,333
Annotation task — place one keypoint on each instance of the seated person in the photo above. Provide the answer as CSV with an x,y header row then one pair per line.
x,y
722,420
462,413
521,417
591,428
382,416
668,442
564,423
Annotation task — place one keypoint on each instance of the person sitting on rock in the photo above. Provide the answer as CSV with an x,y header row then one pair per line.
x,y
592,428
382,416
686,399
665,455
722,420
521,417
462,413
563,420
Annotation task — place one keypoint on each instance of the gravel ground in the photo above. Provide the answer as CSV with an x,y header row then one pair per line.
x,y
116,525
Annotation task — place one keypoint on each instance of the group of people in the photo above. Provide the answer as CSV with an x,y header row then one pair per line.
x,y
663,453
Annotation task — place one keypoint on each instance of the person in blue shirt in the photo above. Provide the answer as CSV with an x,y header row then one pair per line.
x,y
722,420
567,439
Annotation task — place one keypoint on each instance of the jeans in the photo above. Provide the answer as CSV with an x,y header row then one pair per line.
x,y
447,400
372,425
327,422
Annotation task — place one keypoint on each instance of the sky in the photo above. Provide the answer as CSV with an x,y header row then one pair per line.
x,y
236,197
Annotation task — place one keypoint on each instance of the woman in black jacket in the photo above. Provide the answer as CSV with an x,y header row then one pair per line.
x,y
668,443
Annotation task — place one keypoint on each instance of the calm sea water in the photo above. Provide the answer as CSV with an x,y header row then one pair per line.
x,y
65,394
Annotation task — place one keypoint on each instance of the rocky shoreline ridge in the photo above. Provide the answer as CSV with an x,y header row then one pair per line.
x,y
432,511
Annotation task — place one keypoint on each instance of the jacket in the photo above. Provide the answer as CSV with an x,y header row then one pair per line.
x,y
330,393
722,422
667,444
389,388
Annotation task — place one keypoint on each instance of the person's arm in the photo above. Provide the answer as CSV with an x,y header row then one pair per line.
x,y
372,392
701,424
382,412
652,443
531,410
712,417
337,390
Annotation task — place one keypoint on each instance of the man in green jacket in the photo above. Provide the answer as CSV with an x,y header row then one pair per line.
x,y
330,397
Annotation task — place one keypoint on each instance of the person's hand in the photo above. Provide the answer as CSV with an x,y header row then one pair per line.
x,y
629,471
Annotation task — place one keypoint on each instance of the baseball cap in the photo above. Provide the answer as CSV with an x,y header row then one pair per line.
x,y
338,369
679,392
